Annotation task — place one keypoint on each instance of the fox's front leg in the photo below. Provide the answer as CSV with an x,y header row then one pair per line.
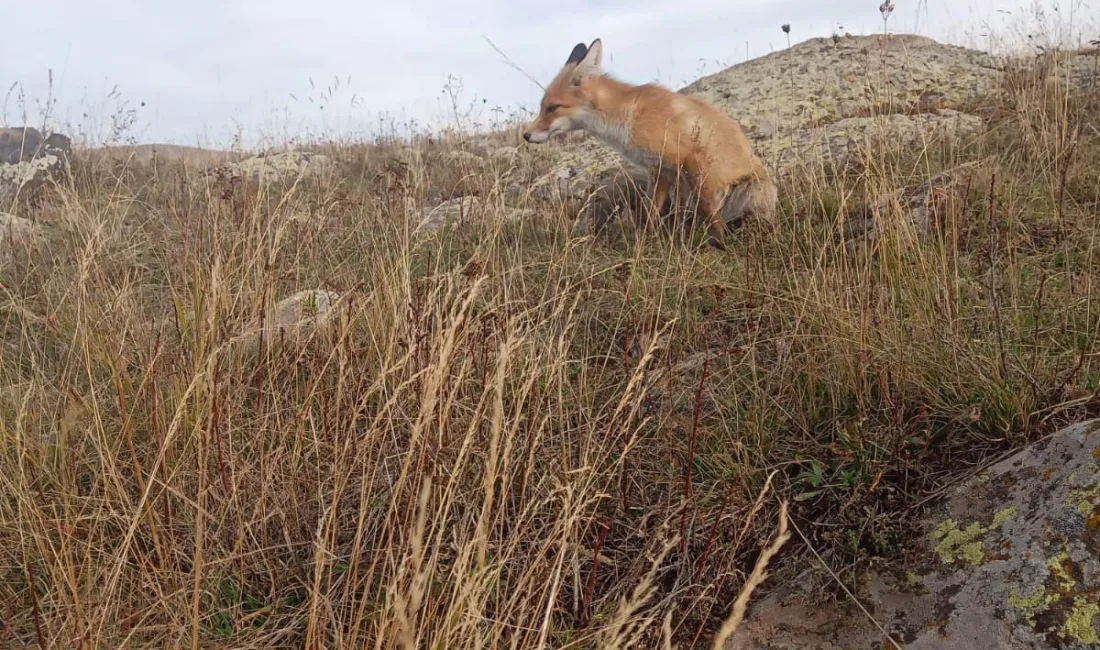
x,y
710,202
661,186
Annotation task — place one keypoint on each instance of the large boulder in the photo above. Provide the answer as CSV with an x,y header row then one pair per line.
x,y
823,80
1009,560
28,160
22,143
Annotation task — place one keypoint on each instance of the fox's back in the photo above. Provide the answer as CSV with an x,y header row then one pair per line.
x,y
688,130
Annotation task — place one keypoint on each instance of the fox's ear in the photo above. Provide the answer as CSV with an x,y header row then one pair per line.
x,y
589,65
579,50
594,56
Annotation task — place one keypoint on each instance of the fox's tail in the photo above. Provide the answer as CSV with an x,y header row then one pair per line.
x,y
754,198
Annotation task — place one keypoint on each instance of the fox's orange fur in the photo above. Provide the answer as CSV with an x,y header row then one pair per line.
x,y
664,131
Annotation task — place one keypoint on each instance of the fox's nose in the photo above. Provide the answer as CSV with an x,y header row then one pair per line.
x,y
527,136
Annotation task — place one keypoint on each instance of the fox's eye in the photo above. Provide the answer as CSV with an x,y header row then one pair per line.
x,y
552,107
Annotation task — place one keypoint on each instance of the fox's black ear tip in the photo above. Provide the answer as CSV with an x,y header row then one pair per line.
x,y
578,53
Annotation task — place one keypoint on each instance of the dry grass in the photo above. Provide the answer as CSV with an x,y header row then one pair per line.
x,y
511,437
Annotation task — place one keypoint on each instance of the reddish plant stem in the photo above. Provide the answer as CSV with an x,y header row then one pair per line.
x,y
691,451
216,429
591,585
713,532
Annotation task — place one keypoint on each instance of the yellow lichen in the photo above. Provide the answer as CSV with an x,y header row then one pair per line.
x,y
1004,515
1032,604
959,544
1057,567
1085,500
1078,625
966,544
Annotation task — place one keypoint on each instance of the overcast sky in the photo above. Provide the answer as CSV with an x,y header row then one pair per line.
x,y
200,71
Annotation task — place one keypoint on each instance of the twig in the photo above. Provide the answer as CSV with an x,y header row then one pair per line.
x,y
511,63
845,587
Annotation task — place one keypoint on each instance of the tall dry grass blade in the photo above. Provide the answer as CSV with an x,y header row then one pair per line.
x,y
756,578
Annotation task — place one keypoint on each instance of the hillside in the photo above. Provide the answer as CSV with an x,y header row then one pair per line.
x,y
441,394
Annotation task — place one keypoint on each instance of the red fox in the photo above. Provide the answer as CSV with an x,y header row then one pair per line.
x,y
664,131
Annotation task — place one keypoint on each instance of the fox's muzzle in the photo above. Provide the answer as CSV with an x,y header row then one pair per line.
x,y
535,137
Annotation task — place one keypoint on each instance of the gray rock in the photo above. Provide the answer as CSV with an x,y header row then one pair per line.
x,y
465,159
1056,68
578,171
276,167
18,144
26,178
14,230
465,210
912,206
299,314
504,154
457,210
1010,560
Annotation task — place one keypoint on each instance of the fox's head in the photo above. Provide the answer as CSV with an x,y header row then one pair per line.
x,y
566,99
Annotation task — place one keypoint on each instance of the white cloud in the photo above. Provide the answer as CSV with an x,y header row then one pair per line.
x,y
200,67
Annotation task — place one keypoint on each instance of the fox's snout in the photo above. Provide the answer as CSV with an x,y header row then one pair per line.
x,y
537,136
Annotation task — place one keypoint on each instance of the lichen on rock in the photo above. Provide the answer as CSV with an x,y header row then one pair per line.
x,y
1011,562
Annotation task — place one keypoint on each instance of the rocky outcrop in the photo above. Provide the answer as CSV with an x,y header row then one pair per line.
x,y
28,160
1010,560
581,165
847,138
